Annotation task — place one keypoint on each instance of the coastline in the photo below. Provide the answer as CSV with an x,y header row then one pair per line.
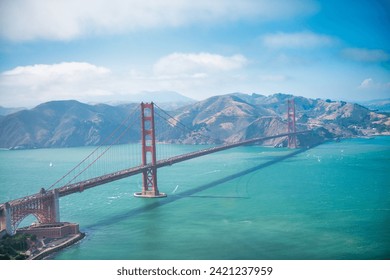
x,y
57,246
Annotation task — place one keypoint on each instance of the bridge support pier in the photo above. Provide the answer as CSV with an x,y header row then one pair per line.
x,y
56,202
148,140
5,218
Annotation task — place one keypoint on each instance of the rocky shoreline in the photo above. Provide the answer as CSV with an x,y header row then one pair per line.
x,y
57,245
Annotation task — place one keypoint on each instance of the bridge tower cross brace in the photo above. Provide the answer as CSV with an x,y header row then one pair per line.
x,y
292,137
148,141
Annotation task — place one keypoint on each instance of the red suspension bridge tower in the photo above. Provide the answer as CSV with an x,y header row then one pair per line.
x,y
148,140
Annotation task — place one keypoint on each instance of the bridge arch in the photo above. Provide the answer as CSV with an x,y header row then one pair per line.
x,y
27,220
44,206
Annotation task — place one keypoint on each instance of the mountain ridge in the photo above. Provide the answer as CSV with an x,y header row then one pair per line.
x,y
218,119
8,110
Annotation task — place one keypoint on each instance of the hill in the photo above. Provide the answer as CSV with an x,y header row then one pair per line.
x,y
6,111
218,119
61,124
239,116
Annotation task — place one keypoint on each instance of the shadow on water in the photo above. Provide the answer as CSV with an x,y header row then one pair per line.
x,y
218,196
158,202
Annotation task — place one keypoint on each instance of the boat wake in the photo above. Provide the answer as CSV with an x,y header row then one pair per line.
x,y
175,189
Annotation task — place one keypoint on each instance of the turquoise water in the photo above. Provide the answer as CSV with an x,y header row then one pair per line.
x,y
329,202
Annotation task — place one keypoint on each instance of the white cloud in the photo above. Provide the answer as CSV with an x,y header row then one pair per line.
x,y
69,19
370,84
198,75
366,55
196,65
299,40
65,71
367,83
27,85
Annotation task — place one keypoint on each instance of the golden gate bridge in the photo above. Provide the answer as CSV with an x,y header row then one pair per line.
x,y
44,205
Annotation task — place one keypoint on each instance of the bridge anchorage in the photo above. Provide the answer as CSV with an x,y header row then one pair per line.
x,y
148,140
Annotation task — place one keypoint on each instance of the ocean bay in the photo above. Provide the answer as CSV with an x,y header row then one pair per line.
x,y
329,202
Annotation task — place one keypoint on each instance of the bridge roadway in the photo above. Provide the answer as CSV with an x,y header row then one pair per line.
x,y
93,182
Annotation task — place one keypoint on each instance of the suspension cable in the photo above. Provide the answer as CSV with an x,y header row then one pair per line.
x,y
182,124
109,147
97,148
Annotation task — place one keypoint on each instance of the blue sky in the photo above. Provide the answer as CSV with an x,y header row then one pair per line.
x,y
107,50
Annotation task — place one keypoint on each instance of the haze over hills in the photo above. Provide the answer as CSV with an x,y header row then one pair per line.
x,y
168,100
160,97
218,119
6,111
380,105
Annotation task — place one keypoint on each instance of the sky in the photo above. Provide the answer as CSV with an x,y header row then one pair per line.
x,y
106,50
